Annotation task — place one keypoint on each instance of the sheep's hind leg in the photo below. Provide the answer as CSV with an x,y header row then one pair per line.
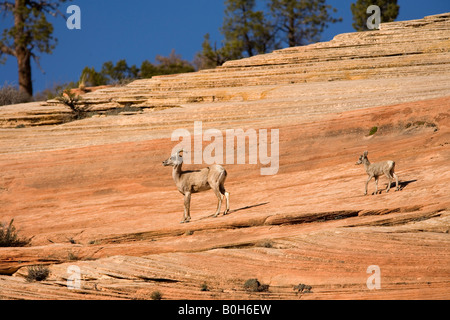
x,y
397,188
388,175
227,197
219,202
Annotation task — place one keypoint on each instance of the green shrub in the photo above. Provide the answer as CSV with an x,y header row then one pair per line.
x,y
72,256
54,91
373,131
303,288
156,295
72,100
38,273
9,237
265,243
253,285
204,287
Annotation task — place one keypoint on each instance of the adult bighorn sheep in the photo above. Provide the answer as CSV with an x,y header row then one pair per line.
x,y
189,182
375,170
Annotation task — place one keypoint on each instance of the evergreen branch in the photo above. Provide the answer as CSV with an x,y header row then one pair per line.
x,y
6,6
50,7
4,49
37,61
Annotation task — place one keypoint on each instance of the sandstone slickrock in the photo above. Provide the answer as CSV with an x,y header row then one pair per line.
x,y
93,193
382,54
387,53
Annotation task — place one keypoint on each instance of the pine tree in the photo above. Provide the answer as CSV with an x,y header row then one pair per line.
x,y
120,72
173,64
210,57
389,12
30,35
247,31
148,70
302,21
92,78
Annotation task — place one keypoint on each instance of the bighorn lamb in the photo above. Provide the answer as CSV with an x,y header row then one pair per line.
x,y
189,182
375,170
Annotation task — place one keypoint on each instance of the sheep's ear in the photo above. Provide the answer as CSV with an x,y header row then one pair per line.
x,y
366,153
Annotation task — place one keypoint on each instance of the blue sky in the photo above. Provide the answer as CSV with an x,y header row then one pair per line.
x,y
137,30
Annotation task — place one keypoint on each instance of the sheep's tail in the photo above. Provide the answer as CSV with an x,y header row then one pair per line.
x,y
222,177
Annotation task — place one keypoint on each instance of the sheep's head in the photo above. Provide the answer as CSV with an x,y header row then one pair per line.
x,y
362,158
174,160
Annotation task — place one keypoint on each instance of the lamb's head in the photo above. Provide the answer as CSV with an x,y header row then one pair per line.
x,y
362,158
175,160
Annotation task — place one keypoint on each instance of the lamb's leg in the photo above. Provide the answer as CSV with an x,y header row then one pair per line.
x,y
388,175
396,181
367,183
376,185
187,208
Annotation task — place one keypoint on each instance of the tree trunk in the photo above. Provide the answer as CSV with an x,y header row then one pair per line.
x,y
24,66
291,32
23,54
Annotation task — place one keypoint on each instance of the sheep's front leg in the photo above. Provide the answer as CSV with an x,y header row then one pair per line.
x,y
187,208
367,183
